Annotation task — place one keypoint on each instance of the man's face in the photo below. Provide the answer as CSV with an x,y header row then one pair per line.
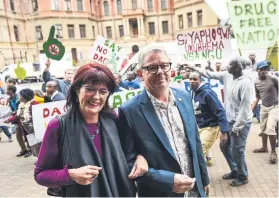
x,y
130,76
160,79
252,57
195,81
9,92
69,75
218,66
50,89
117,79
183,74
262,72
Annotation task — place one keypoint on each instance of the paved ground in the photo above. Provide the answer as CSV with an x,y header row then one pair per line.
x,y
16,174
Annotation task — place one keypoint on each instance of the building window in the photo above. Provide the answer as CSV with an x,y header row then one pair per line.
x,y
79,5
39,33
58,31
12,4
151,26
109,32
16,33
163,4
199,17
180,21
121,31
134,4
82,31
91,5
55,4
150,5
71,31
106,8
35,5
93,30
68,5
119,6
165,25
190,20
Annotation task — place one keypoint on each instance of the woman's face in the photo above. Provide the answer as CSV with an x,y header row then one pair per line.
x,y
92,98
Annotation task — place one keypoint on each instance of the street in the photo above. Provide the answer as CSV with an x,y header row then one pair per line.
x,y
17,178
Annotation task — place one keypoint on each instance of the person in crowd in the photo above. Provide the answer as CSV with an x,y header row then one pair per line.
x,y
135,49
238,89
252,57
13,102
5,129
185,72
267,90
63,85
130,83
208,67
40,97
120,86
218,66
210,114
53,93
95,165
160,125
24,116
12,81
138,79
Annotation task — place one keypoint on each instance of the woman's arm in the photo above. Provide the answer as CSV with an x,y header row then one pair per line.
x,y
48,171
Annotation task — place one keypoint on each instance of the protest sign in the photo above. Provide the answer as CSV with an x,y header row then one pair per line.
x,y
254,23
119,98
206,44
107,52
44,113
5,113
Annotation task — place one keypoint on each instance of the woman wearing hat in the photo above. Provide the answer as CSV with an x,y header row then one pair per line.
x,y
24,116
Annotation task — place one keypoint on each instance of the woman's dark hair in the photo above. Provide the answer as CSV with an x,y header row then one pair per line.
x,y
96,74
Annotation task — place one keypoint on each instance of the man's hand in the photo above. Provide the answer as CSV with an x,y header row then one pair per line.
x,y
223,138
48,63
206,190
183,183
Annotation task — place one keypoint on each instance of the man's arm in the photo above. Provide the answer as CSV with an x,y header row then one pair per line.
x,y
212,74
159,179
257,99
218,110
244,107
46,74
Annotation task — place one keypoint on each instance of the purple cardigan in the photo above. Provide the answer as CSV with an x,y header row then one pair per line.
x,y
47,171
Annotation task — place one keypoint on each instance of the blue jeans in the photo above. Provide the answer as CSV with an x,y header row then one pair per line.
x,y
257,111
234,150
5,129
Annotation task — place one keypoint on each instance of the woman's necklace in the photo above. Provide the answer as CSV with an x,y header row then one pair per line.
x,y
96,132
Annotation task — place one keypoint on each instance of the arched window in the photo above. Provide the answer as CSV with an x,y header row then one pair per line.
x,y
119,6
106,8
150,5
134,4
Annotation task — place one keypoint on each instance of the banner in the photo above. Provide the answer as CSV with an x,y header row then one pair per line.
x,y
5,113
119,98
254,23
107,52
206,44
44,113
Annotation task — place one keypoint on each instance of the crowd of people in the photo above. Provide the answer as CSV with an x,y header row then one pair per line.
x,y
158,142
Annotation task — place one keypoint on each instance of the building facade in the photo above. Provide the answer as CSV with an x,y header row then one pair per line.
x,y
25,24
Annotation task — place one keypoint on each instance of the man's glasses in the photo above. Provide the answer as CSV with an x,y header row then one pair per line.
x,y
153,69
103,92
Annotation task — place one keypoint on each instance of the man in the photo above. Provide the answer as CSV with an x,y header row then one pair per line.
x,y
252,57
209,112
53,93
12,81
160,124
238,90
130,83
185,72
63,85
135,50
267,91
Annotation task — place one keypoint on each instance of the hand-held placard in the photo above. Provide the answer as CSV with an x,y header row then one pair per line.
x,y
52,47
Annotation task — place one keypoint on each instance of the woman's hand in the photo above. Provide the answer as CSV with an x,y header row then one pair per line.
x,y
84,175
140,167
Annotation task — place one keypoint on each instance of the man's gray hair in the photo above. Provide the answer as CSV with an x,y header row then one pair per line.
x,y
240,61
150,50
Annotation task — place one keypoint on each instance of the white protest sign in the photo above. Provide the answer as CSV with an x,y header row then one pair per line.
x,y
254,23
206,44
5,113
32,139
107,52
44,113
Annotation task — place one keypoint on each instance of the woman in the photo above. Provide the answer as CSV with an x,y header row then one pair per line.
x,y
81,151
24,116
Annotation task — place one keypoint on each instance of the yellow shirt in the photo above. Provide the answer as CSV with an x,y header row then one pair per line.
x,y
39,99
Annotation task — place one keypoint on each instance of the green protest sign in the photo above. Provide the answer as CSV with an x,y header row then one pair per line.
x,y
20,72
52,47
254,23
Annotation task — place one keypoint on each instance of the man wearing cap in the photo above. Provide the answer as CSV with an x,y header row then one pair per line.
x,y
267,90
